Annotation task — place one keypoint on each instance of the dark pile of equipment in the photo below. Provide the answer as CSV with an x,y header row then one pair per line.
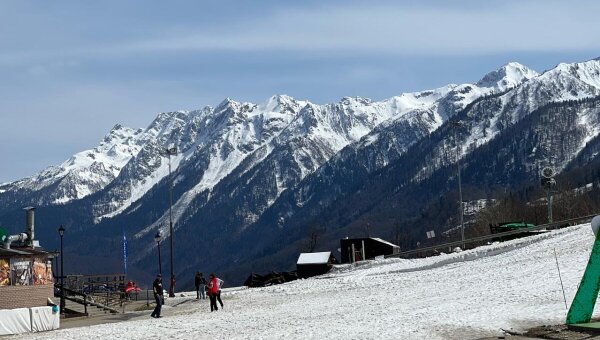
x,y
274,278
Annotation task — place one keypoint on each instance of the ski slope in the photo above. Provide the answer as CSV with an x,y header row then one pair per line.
x,y
476,293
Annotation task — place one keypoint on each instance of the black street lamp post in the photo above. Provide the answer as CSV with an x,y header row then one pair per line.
x,y
456,125
171,152
61,232
157,238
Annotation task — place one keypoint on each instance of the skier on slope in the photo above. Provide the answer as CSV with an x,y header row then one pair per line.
x,y
200,282
213,289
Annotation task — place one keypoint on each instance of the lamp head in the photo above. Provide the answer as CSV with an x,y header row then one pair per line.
x,y
548,172
61,230
596,224
158,236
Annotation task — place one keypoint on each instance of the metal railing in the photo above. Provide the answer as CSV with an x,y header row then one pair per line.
x,y
107,298
449,245
96,283
68,293
107,301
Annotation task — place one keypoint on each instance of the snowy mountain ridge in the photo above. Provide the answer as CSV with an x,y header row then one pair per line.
x,y
486,119
86,171
483,118
508,76
243,128
564,82
322,131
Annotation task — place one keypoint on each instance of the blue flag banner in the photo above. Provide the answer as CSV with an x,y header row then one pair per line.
x,y
124,253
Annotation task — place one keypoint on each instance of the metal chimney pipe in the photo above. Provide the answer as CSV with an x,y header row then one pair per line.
x,y
14,238
30,223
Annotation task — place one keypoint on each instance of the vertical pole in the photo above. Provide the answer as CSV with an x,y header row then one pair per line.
x,y
62,277
353,254
460,200
159,260
363,250
172,286
549,199
560,277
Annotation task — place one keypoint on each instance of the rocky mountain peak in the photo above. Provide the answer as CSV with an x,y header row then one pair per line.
x,y
507,76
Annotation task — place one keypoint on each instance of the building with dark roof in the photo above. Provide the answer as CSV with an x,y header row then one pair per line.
x,y
359,249
313,264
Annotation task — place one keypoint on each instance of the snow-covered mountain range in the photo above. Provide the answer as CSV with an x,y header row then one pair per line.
x,y
85,172
241,167
232,131
555,140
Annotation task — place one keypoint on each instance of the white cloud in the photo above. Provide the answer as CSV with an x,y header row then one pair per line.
x,y
71,71
398,29
524,26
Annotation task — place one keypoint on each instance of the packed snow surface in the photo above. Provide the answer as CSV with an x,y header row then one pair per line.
x,y
464,295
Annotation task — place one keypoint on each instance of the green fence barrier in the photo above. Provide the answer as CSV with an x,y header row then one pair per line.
x,y
583,304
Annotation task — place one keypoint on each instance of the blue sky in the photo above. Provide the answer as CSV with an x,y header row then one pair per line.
x,y
70,70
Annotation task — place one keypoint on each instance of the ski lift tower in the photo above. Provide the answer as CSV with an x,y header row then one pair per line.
x,y
549,184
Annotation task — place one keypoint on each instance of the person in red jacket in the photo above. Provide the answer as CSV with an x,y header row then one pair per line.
x,y
213,290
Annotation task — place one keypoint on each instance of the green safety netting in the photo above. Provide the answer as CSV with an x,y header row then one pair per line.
x,y
583,304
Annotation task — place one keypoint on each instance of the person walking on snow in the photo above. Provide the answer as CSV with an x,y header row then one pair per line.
x,y
200,282
219,285
213,289
157,288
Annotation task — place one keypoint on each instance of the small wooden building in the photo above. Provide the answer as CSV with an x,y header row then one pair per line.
x,y
313,264
25,269
25,278
359,249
